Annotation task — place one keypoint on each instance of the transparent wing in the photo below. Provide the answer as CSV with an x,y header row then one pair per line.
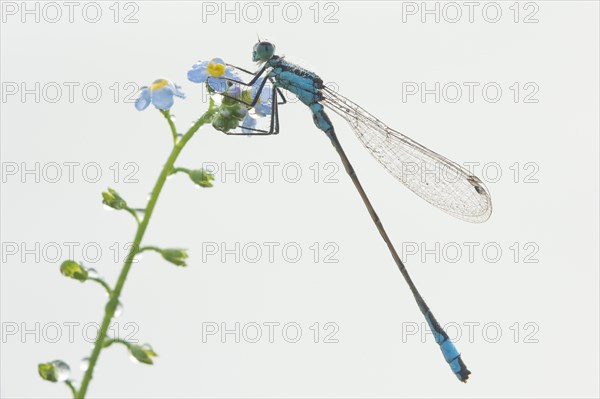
x,y
431,176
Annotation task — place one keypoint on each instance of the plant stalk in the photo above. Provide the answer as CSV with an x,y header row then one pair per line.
x,y
139,235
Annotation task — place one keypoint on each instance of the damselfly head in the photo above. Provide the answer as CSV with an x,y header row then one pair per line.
x,y
263,51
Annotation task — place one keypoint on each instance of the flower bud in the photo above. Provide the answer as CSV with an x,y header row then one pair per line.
x,y
229,115
112,199
201,177
74,270
56,371
142,353
175,256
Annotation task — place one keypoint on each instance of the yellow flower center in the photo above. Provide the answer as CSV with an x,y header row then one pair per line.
x,y
158,84
215,69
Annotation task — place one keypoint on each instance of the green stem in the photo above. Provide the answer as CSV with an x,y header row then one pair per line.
x,y
102,283
150,248
184,170
116,293
134,214
167,115
108,342
70,385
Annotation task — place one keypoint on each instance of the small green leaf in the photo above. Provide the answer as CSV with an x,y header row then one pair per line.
x,y
56,371
74,270
112,199
142,353
175,256
201,177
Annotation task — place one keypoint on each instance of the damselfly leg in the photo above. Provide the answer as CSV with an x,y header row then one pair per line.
x,y
273,122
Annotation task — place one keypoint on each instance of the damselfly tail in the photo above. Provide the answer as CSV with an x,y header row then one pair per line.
x,y
449,351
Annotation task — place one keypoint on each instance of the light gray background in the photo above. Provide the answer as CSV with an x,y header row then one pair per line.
x,y
368,53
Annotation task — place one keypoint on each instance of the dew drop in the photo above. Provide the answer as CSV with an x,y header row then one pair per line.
x,y
118,309
173,117
108,208
92,273
133,359
84,364
63,371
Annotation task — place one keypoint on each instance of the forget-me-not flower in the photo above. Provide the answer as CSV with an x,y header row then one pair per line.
x,y
160,94
212,72
232,113
262,108
264,105
248,123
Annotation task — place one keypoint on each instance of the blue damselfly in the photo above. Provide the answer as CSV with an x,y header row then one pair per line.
x,y
451,188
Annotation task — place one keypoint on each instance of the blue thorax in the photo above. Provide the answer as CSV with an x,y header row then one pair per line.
x,y
305,84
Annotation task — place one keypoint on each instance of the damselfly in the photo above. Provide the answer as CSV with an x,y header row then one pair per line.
x,y
450,187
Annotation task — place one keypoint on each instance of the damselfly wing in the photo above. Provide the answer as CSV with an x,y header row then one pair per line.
x,y
428,174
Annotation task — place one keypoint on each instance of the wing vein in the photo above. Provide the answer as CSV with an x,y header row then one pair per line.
x,y
433,177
